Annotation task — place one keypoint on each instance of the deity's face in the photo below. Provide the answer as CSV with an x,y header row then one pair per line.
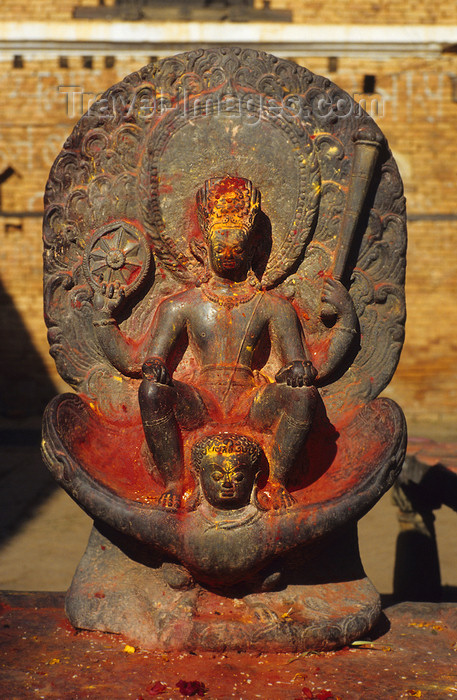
x,y
229,253
227,479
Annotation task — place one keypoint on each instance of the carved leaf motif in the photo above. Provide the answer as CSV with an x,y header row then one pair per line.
x,y
76,205
270,85
168,73
93,143
126,143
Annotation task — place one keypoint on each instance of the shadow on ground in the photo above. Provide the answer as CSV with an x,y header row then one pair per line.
x,y
25,389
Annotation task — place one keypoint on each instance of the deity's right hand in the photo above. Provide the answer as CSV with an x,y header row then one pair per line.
x,y
108,299
155,370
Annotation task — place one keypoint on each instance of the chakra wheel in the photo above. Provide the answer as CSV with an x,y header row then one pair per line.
x,y
117,253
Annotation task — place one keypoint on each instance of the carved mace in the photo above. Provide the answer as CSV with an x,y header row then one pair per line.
x,y
366,149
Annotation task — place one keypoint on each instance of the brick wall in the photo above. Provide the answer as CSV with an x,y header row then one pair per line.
x,y
314,12
426,380
40,10
370,12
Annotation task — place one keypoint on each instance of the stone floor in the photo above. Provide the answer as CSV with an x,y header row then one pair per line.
x,y
412,654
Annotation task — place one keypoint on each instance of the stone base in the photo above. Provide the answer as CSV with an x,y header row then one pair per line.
x,y
317,598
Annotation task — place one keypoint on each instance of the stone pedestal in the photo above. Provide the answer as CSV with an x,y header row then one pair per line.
x,y
314,598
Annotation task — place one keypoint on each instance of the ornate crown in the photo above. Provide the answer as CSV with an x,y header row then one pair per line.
x,y
227,202
224,443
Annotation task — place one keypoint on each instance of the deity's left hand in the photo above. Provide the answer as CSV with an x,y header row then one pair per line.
x,y
297,373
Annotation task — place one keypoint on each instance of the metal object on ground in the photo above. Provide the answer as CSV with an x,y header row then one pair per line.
x,y
427,481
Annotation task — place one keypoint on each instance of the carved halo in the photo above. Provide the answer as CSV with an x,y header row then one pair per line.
x,y
130,167
159,140
117,252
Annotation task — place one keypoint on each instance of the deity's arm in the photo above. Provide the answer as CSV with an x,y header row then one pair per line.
x,y
128,354
286,332
341,335
167,330
123,352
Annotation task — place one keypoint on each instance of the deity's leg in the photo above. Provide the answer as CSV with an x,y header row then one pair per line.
x,y
163,409
163,437
291,411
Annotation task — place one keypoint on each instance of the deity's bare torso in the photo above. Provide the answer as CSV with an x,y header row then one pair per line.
x,y
224,333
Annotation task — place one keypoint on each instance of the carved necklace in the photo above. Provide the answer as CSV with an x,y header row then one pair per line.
x,y
229,302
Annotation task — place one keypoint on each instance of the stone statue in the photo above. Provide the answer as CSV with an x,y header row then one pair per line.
x,y
226,318
224,270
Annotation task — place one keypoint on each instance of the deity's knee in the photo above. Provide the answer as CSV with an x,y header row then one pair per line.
x,y
299,403
155,398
